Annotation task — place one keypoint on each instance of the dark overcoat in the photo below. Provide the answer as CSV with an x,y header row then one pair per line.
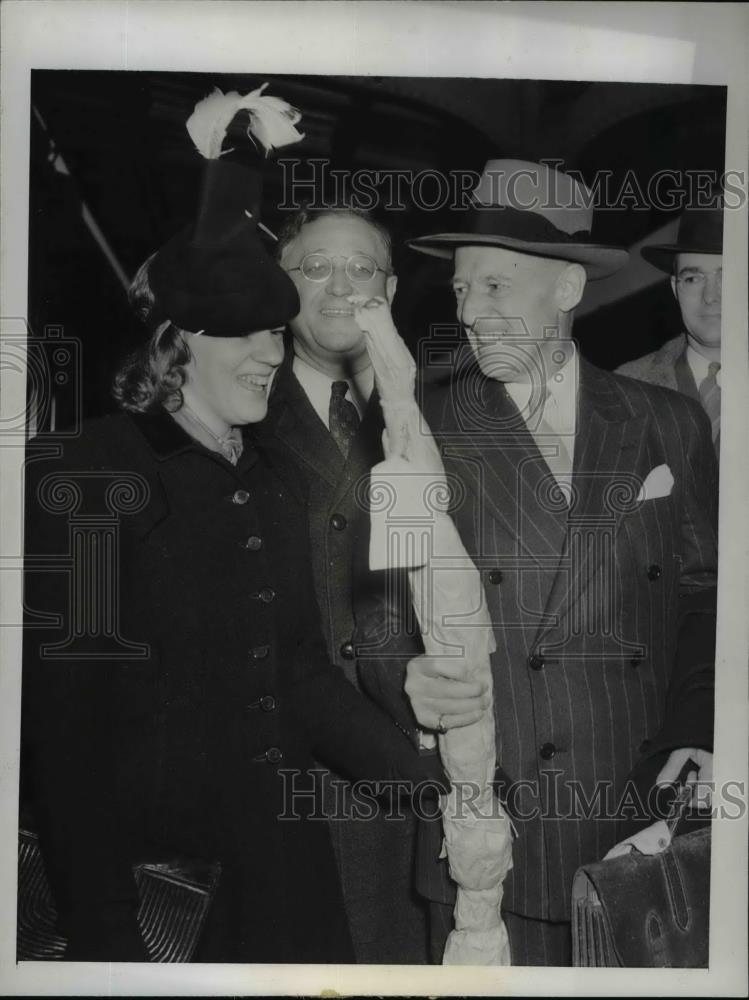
x,y
376,858
176,686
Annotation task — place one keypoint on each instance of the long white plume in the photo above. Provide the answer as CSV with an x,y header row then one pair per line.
x,y
272,121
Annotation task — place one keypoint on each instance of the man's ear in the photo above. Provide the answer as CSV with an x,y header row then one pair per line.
x,y
391,283
673,287
570,287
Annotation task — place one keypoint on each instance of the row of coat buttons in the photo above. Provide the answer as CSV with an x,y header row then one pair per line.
x,y
536,662
495,576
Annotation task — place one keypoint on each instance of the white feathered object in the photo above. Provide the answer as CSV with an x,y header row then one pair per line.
x,y
272,121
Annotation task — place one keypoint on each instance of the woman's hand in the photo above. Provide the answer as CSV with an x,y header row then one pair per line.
x,y
441,695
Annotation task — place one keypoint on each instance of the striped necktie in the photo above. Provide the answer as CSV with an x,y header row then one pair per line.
x,y
710,398
343,417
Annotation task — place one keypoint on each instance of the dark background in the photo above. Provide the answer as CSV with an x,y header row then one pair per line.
x,y
116,142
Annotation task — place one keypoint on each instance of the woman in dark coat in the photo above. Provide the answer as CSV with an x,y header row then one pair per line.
x,y
180,696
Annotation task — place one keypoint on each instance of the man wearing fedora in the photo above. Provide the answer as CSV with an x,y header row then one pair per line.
x,y
690,362
588,503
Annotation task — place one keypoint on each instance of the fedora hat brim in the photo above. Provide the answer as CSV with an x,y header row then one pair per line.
x,y
661,255
599,261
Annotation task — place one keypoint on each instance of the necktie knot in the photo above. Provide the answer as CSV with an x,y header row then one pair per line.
x,y
713,368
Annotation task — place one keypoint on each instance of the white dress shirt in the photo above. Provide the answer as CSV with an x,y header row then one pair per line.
x,y
556,424
699,365
318,387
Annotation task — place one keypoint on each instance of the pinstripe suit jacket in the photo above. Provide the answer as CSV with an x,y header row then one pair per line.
x,y
598,611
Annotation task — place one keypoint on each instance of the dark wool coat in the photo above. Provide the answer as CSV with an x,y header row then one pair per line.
x,y
604,615
178,683
375,858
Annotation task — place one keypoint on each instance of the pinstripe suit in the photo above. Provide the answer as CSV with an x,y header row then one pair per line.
x,y
597,609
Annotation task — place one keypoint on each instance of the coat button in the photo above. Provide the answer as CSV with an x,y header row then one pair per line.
x,y
654,572
347,650
547,751
273,755
259,652
644,746
636,661
253,543
265,595
268,703
339,522
495,576
241,496
536,662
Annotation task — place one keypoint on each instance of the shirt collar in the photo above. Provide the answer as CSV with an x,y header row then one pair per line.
x,y
699,365
317,386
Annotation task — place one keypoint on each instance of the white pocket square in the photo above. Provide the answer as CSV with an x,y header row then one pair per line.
x,y
659,483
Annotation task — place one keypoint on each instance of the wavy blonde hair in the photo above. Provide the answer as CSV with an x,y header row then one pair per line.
x,y
153,375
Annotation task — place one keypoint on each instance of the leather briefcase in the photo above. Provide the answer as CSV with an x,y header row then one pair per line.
x,y
645,911
175,896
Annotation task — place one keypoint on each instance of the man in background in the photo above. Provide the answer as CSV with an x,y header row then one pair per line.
x,y
690,362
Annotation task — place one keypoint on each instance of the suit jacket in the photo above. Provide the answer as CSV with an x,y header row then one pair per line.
x,y
174,671
375,858
604,614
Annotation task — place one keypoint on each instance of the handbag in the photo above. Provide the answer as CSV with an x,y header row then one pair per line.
x,y
646,910
175,896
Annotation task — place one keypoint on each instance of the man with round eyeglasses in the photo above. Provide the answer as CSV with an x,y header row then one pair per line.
x,y
690,362
325,410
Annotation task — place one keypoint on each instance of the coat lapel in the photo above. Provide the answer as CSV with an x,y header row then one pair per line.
x,y
607,476
292,419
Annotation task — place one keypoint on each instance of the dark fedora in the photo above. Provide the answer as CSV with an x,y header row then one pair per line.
x,y
531,208
216,275
700,231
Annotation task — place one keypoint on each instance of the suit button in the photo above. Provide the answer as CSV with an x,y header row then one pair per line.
x,y
253,543
536,662
260,652
547,751
347,650
636,661
339,522
654,572
266,595
495,576
268,703
273,755
241,496
645,745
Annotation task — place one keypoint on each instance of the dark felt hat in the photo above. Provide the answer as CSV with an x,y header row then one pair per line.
x,y
700,231
530,208
216,276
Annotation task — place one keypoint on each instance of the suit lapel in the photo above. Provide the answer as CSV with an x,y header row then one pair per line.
x,y
608,462
501,464
293,420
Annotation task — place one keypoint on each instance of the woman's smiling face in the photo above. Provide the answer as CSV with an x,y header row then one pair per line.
x,y
228,378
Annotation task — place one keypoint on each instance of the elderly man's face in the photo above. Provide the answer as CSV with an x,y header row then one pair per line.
x,y
325,332
509,306
697,287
